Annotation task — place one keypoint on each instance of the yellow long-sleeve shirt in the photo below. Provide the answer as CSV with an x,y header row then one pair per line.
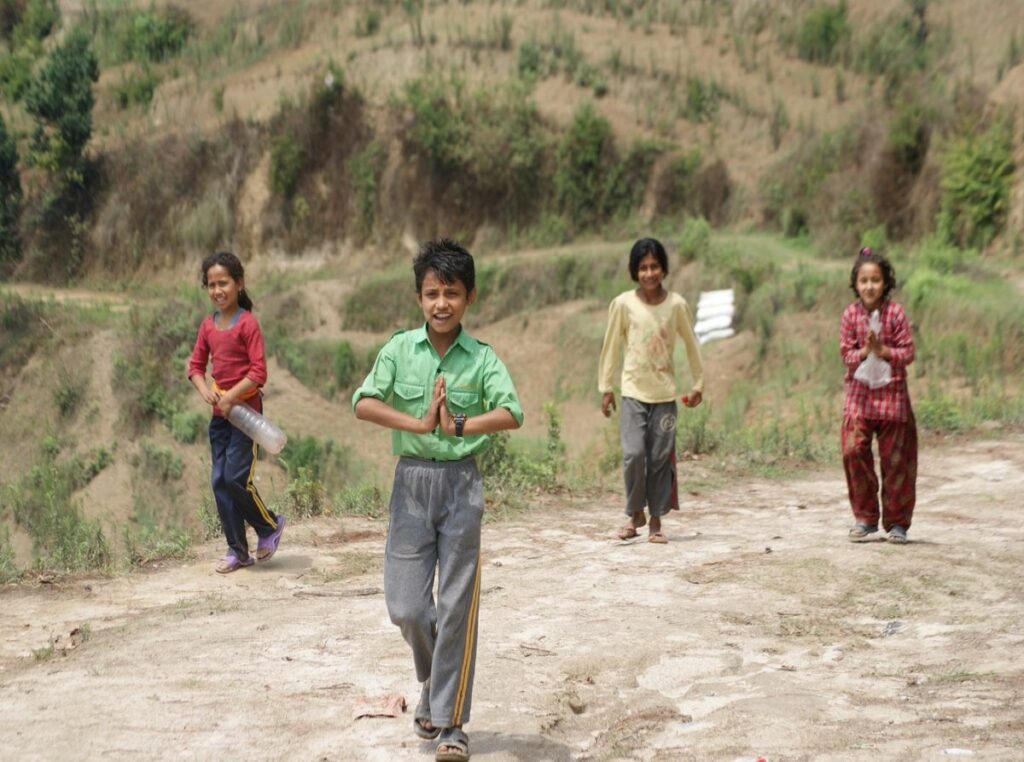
x,y
648,333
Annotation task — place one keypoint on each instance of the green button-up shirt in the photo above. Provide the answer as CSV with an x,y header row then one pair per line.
x,y
476,381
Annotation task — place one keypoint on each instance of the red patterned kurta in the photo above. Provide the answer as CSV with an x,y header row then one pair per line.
x,y
884,413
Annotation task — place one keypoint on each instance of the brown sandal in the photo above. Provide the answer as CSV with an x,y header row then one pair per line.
x,y
657,537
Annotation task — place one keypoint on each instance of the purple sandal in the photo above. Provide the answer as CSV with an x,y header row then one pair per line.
x,y
230,563
267,546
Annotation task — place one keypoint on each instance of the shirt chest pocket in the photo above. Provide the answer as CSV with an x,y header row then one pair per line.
x,y
463,402
409,398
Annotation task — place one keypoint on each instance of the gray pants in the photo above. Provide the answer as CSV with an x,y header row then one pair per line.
x,y
648,435
436,510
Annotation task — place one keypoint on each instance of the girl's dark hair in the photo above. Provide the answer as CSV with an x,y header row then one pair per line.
x,y
641,249
233,265
448,260
888,273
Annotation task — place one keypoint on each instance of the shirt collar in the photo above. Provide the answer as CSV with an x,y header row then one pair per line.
x,y
463,340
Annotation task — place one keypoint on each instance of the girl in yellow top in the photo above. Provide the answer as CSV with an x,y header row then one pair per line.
x,y
645,322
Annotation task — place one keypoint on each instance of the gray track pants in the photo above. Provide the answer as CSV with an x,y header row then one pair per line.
x,y
648,435
436,510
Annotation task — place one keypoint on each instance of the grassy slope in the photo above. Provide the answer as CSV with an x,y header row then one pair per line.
x,y
775,385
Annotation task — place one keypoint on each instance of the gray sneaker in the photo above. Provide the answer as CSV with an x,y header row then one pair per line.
x,y
898,535
859,532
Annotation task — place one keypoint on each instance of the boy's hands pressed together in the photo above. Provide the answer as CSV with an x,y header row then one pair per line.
x,y
431,418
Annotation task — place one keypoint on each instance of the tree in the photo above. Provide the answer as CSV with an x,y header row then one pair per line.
x,y
10,196
60,99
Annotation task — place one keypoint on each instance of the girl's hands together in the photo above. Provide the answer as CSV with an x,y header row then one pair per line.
x,y
874,344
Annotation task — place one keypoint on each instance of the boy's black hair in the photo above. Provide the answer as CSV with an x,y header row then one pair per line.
x,y
448,260
233,265
641,249
888,273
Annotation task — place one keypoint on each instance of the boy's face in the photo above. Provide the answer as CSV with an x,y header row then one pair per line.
x,y
443,304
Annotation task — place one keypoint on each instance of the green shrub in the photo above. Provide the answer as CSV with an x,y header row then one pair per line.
x,y
22,332
304,496
309,459
149,370
136,89
27,24
938,411
694,433
822,32
60,100
9,570
123,33
15,73
160,464
508,473
694,239
530,61
365,169
41,502
898,47
976,173
150,543
187,425
702,100
362,500
287,158
68,393
438,131
10,198
583,157
368,23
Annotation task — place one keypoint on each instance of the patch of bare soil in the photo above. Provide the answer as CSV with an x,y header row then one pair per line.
x,y
757,631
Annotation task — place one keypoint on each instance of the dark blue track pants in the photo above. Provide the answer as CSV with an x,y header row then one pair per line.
x,y
231,476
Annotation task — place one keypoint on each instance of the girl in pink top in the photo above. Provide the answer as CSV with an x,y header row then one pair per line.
x,y
231,337
884,412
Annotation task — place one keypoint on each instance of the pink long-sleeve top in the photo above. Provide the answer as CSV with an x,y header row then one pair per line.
x,y
237,352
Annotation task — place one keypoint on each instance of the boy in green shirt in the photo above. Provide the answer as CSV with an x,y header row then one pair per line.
x,y
441,392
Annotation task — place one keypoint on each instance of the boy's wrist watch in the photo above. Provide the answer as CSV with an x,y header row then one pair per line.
x,y
460,422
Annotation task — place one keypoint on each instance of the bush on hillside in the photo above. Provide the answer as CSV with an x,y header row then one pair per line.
x,y
144,35
900,47
976,173
60,99
150,366
26,23
10,198
584,157
815,189
822,32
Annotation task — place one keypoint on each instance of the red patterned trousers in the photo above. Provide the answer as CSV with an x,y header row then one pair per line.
x,y
897,455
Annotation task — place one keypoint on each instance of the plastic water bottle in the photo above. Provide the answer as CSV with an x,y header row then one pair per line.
x,y
257,428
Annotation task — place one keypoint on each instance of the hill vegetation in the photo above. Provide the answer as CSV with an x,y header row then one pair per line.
x,y
763,142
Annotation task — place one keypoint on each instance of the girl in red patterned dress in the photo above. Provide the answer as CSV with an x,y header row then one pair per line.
x,y
883,412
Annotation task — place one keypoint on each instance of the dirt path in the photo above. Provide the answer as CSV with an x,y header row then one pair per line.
x,y
758,631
